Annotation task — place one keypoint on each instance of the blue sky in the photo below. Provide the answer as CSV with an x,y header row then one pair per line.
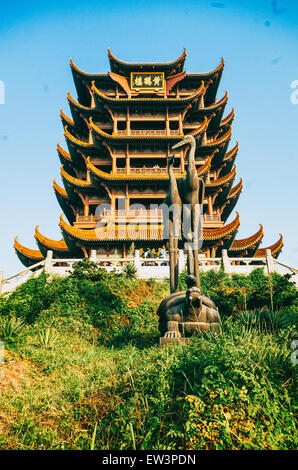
x,y
258,41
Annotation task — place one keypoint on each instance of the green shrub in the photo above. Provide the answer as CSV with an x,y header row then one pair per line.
x,y
217,392
10,328
265,319
234,292
97,361
86,269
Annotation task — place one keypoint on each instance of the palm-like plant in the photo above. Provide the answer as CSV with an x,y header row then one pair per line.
x,y
129,271
11,328
47,338
264,319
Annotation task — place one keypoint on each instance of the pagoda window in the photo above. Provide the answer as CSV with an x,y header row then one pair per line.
x,y
120,203
147,202
121,125
147,125
121,162
174,125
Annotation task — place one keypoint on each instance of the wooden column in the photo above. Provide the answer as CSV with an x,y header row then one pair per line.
x,y
167,121
113,200
210,207
180,124
86,209
114,164
127,201
127,159
127,121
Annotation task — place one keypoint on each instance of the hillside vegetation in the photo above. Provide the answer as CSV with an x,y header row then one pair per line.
x,y
83,368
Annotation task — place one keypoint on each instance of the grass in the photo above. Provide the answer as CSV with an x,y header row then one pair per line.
x,y
85,371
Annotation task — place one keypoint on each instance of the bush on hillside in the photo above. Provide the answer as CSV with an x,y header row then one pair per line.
x,y
236,292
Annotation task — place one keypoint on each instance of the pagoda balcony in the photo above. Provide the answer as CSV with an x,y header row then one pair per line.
x,y
144,171
145,117
153,132
142,216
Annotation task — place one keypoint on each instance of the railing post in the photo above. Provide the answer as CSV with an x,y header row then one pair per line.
x,y
225,261
137,260
269,261
48,262
1,281
92,256
181,261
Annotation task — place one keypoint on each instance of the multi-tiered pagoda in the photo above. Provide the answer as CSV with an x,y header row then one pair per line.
x,y
122,128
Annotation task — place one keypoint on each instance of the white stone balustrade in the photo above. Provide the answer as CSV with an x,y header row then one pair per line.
x,y
156,268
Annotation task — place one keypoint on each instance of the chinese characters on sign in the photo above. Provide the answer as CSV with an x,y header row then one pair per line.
x,y
154,81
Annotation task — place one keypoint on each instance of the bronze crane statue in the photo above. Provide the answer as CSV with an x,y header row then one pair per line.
x,y
172,207
182,314
191,190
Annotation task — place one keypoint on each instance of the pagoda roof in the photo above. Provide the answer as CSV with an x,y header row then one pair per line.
x,y
83,79
64,201
214,106
207,75
77,142
66,120
232,153
212,80
169,68
275,249
221,140
64,155
202,170
245,243
228,119
114,233
74,182
59,190
83,74
146,233
222,232
100,97
217,109
78,109
237,189
26,255
49,244
228,160
232,200
222,180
